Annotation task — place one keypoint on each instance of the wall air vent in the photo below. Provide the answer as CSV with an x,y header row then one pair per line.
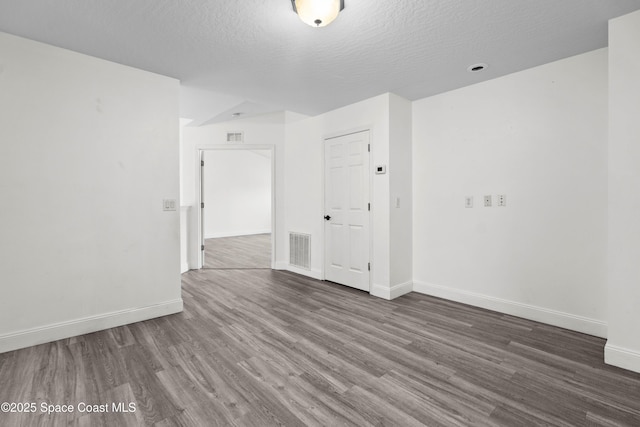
x,y
300,250
235,137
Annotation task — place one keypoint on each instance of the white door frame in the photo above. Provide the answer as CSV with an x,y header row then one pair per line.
x,y
247,147
322,208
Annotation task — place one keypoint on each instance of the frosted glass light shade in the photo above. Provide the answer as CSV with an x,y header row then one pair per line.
x,y
318,13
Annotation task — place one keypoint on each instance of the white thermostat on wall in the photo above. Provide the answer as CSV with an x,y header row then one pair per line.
x,y
381,169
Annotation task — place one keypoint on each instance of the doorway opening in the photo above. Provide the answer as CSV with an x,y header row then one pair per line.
x,y
237,215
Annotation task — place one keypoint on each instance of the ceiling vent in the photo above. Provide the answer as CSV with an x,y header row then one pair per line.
x,y
235,137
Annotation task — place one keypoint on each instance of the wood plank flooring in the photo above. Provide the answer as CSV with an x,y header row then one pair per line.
x,y
262,348
253,251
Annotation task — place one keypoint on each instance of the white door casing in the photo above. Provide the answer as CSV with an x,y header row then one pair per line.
x,y
201,207
346,222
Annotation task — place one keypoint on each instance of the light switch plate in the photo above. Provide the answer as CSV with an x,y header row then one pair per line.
x,y
468,201
487,201
169,205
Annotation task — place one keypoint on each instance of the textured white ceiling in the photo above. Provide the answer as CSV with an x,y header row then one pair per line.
x,y
257,54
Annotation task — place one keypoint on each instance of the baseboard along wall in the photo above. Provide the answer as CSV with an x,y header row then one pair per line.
x,y
314,274
569,321
236,233
622,357
62,330
392,292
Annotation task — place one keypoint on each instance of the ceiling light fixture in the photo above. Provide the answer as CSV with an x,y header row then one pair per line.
x,y
317,13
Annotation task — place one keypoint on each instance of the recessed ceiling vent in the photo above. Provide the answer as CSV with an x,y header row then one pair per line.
x,y
476,68
300,250
235,137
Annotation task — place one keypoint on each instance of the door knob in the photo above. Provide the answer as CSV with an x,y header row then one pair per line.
x,y
327,217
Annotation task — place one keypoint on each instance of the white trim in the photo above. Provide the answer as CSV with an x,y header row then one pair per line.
x,y
561,319
622,357
184,267
392,292
380,291
72,328
280,265
345,132
314,274
185,236
237,233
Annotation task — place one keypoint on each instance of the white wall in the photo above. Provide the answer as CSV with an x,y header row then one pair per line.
x,y
237,192
623,345
89,150
401,197
265,130
540,137
303,189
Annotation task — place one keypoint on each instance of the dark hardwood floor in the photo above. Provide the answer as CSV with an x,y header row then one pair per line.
x,y
260,348
253,251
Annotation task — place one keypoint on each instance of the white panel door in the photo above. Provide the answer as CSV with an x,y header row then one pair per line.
x,y
346,202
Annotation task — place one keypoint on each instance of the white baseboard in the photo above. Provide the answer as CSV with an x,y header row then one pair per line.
x,y
184,267
58,331
236,233
314,274
392,292
622,357
561,319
